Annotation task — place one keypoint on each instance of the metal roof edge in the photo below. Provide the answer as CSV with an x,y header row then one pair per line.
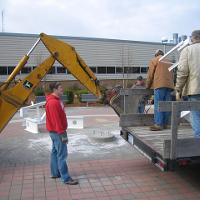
x,y
83,38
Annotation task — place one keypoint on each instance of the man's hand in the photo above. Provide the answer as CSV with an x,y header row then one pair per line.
x,y
178,96
64,137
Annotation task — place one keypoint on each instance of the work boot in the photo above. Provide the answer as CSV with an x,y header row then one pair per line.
x,y
54,177
71,182
156,128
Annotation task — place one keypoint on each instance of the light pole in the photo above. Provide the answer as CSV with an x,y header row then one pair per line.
x,y
2,22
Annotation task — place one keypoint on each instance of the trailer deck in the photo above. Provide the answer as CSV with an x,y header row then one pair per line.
x,y
156,145
167,148
159,140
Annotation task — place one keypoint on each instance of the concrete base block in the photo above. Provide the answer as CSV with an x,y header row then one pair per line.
x,y
32,125
75,122
102,136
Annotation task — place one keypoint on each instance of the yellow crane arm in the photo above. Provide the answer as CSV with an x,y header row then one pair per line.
x,y
13,98
69,58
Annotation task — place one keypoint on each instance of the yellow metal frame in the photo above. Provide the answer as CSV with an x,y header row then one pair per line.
x,y
13,98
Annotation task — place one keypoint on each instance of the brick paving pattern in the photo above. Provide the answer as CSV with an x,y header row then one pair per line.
x,y
112,174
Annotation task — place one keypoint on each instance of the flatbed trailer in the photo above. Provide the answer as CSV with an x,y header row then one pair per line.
x,y
156,146
168,148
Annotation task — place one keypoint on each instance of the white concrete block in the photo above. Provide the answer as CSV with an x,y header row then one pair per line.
x,y
32,125
75,122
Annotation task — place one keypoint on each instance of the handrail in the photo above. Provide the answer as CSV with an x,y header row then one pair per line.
x,y
176,107
23,110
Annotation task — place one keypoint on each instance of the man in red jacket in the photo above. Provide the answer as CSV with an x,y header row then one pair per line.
x,y
56,124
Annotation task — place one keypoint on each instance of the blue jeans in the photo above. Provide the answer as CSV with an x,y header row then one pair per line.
x,y
141,108
161,94
59,153
195,116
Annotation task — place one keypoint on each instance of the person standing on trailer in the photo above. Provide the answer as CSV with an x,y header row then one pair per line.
x,y
188,77
160,79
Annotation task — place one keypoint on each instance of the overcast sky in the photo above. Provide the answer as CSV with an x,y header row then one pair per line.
x,y
140,20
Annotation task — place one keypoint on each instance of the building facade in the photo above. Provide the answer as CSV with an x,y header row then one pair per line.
x,y
109,59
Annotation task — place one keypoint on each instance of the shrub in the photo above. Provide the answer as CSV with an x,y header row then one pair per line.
x,y
103,95
79,92
70,96
39,91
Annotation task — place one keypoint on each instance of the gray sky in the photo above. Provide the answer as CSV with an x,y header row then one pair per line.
x,y
140,20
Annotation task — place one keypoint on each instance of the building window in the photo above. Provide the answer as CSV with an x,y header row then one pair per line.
x,y
110,70
132,70
26,70
135,70
94,69
127,70
52,71
119,70
61,70
101,70
144,70
10,69
3,71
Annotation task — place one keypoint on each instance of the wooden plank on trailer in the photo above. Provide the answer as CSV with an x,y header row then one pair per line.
x,y
136,119
135,91
166,149
150,138
130,103
159,140
183,105
186,147
174,122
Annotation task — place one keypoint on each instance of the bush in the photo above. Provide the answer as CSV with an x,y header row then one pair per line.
x,y
70,96
39,91
104,92
79,92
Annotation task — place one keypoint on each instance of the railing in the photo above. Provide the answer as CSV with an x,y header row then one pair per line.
x,y
32,120
176,107
187,146
24,110
126,101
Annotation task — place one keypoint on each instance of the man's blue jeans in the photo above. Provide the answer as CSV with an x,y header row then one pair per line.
x,y
58,158
195,116
141,108
161,94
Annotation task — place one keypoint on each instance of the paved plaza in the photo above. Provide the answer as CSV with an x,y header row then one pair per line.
x,y
105,170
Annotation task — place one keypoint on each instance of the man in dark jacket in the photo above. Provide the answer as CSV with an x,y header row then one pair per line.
x,y
56,124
